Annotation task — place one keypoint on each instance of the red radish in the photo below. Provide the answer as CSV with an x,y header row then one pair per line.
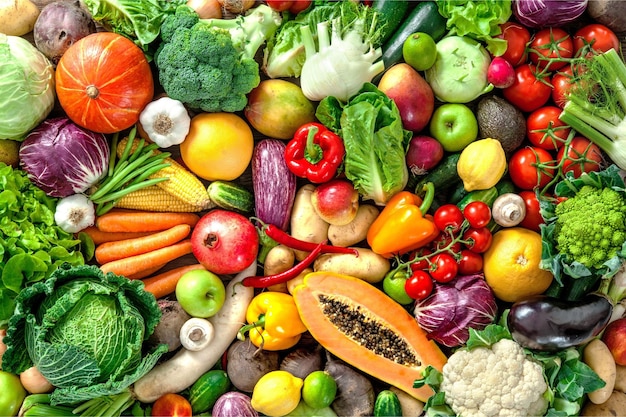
x,y
423,154
500,73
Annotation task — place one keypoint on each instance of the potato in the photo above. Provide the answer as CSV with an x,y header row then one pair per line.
x,y
355,231
411,406
599,358
17,17
368,266
615,405
278,259
306,224
620,378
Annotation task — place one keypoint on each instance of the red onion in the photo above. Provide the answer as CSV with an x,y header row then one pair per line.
x,y
452,308
538,14
423,154
233,404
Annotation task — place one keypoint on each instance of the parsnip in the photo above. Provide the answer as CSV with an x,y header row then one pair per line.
x,y
17,17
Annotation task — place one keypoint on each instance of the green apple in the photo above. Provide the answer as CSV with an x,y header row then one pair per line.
x,y
200,293
454,125
13,393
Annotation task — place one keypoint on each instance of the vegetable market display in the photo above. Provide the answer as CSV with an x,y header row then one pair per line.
x,y
312,208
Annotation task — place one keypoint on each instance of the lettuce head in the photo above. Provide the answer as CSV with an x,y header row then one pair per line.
x,y
85,332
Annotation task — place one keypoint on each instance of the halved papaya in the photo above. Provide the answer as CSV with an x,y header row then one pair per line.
x,y
360,324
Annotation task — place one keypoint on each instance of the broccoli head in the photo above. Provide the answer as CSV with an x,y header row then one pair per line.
x,y
208,64
590,226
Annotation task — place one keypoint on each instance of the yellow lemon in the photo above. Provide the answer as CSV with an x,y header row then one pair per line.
x,y
277,393
511,265
481,164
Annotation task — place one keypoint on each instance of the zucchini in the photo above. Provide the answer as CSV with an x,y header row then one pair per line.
x,y
392,12
387,404
207,389
425,18
231,196
442,176
487,196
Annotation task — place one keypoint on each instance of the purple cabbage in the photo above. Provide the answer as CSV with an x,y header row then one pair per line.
x,y
63,158
538,14
452,308
233,404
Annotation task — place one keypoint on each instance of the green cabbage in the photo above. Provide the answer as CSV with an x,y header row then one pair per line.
x,y
84,330
26,87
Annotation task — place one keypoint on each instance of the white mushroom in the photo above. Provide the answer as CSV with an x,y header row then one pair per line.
x,y
508,210
196,334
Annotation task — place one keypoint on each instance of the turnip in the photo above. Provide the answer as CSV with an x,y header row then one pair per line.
x,y
423,154
500,73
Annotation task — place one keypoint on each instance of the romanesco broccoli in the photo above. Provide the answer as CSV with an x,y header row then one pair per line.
x,y
208,64
590,226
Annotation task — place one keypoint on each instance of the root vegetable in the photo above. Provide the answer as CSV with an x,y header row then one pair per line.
x,y
168,330
236,6
615,405
306,224
355,392
355,231
246,364
279,259
17,17
206,9
620,378
423,154
301,362
34,382
410,405
599,358
368,266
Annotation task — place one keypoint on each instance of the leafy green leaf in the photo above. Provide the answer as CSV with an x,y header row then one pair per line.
x,y
21,269
487,336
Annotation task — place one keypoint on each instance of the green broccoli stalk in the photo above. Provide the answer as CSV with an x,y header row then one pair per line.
x,y
209,64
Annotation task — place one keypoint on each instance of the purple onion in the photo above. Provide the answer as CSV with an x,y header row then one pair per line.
x,y
538,14
63,158
452,308
233,404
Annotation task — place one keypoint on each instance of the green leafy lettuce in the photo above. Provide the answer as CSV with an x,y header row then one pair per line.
x,y
375,141
84,330
32,246
479,20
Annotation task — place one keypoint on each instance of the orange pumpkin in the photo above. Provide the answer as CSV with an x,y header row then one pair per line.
x,y
103,82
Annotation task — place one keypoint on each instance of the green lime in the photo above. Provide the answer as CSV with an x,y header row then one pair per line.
x,y
393,286
419,51
319,389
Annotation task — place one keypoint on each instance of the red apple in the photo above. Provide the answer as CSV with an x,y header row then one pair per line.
x,y
336,201
225,242
614,337
171,405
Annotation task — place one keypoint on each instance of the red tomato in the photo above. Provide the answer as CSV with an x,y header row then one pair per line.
x,y
517,37
479,239
470,262
533,217
562,82
551,44
477,213
419,285
279,5
545,130
444,241
444,268
597,37
531,167
299,5
582,156
448,217
422,263
528,92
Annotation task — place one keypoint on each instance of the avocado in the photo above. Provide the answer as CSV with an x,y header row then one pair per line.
x,y
499,119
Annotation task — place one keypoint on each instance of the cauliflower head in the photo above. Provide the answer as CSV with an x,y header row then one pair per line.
x,y
590,226
496,381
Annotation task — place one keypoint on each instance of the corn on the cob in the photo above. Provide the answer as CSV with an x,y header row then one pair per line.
x,y
154,198
182,183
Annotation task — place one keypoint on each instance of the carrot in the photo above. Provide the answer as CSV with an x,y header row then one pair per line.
x,y
165,283
145,272
112,251
120,220
99,237
134,264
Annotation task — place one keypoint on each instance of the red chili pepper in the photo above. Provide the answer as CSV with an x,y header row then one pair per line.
x,y
315,153
282,277
286,239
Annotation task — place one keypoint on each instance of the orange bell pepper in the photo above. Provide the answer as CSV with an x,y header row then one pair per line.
x,y
402,225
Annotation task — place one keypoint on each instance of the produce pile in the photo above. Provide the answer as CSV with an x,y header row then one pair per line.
x,y
312,208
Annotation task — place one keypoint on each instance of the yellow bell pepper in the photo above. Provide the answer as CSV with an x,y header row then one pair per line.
x,y
273,321
402,225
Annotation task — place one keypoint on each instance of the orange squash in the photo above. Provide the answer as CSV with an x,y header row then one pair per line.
x,y
103,82
360,324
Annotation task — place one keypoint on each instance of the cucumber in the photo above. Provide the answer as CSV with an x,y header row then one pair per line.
x,y
392,12
425,18
206,390
231,196
487,196
387,404
443,176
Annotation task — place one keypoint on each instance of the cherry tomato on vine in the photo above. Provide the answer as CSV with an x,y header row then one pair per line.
x,y
444,267
529,90
449,217
470,262
477,213
545,130
550,48
443,241
597,37
419,285
422,263
582,156
562,83
524,170
479,239
533,217
517,37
